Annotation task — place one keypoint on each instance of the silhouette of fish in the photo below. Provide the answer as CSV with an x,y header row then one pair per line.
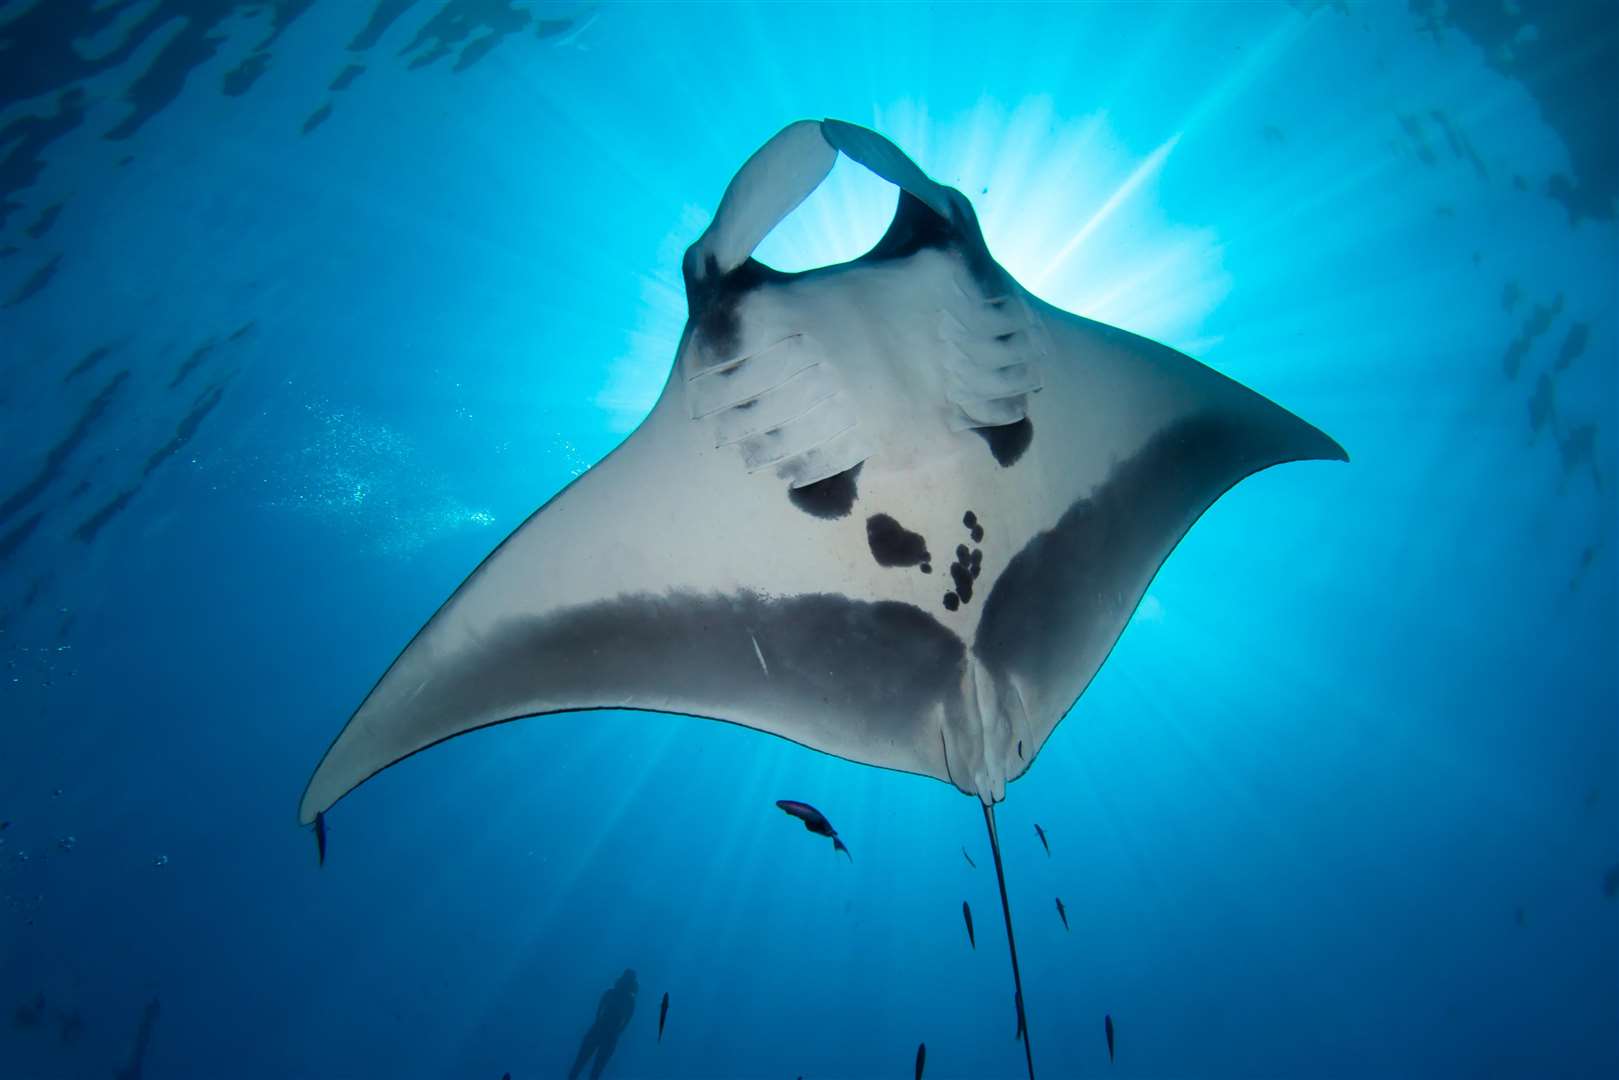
x,y
1107,1026
1573,345
967,913
921,1058
1062,913
814,821
969,859
1042,834
663,1014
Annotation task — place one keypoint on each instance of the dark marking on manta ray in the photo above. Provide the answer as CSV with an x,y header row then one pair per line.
x,y
187,427
1008,441
863,651
42,224
35,282
917,226
712,297
892,544
11,541
58,454
969,519
317,118
346,77
962,572
977,534
963,578
88,361
191,364
828,499
927,568
1122,531
90,526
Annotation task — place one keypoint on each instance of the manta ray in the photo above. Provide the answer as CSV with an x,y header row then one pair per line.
x,y
897,509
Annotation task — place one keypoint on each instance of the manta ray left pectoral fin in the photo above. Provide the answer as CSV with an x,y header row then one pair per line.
x,y
583,608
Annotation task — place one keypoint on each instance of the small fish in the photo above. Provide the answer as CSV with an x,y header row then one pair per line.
x,y
1062,913
1042,834
814,821
967,913
320,835
1107,1026
921,1058
663,1014
1573,345
969,859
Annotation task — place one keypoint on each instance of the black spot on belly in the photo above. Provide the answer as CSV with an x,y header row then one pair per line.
x,y
712,297
969,519
978,534
963,578
951,601
962,553
1008,441
892,544
927,568
828,499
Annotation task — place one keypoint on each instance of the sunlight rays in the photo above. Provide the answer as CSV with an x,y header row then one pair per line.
x,y
1066,206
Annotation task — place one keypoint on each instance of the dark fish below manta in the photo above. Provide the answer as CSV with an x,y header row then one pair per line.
x,y
905,508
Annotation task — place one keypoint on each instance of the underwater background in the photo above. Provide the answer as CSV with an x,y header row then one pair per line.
x,y
308,304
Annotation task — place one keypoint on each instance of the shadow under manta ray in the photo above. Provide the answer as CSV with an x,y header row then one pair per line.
x,y
827,444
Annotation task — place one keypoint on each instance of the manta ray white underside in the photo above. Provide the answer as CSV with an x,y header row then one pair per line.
x,y
897,509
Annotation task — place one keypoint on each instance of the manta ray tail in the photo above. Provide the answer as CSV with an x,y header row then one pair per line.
x,y
1011,942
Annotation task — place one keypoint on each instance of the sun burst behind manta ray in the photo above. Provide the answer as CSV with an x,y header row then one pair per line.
x,y
928,504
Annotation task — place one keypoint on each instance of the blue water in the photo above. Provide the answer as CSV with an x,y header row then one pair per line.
x,y
1344,801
